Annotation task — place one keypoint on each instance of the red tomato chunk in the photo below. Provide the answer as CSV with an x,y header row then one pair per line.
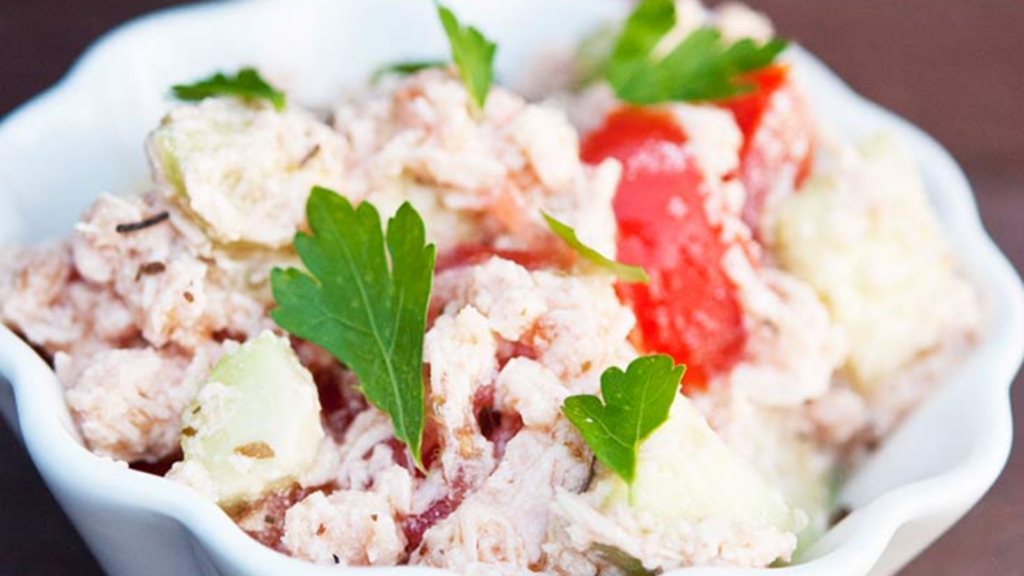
x,y
690,309
778,137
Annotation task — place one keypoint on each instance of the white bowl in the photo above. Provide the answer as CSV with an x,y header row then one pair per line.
x,y
85,136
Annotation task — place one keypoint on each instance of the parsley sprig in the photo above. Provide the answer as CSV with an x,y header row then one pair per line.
x,y
636,403
625,272
369,316
703,67
472,53
406,68
246,84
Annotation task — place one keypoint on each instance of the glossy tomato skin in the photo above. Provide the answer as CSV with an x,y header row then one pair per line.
x,y
778,137
690,309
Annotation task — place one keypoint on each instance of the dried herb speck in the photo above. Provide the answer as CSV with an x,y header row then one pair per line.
x,y
257,450
130,227
150,268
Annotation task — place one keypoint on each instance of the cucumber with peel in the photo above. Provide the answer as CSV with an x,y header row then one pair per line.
x,y
244,171
686,471
255,425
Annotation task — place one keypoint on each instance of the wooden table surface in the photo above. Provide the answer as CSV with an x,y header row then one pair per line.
x,y
955,67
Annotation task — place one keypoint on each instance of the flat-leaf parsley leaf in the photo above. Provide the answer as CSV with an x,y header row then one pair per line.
x,y
703,67
473,54
625,272
247,84
636,403
406,68
369,316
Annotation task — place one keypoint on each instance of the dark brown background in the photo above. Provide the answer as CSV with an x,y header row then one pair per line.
x,y
955,67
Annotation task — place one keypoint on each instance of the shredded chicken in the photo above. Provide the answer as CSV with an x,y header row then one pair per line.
x,y
128,402
461,352
347,528
163,278
505,523
475,179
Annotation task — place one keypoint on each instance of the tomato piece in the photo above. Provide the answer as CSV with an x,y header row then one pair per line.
x,y
690,309
778,136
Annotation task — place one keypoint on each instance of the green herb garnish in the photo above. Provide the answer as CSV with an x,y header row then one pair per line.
x,y
636,403
406,68
370,317
703,67
649,22
625,272
472,53
247,84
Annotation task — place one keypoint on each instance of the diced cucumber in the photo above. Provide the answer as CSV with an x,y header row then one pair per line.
x,y
244,171
685,471
803,472
255,424
867,239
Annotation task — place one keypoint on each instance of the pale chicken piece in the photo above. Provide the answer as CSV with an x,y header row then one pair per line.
x,y
571,327
118,234
576,325
347,528
478,178
128,403
178,292
370,430
397,485
462,354
561,332
40,298
505,523
526,387
585,330
31,280
501,290
714,140
793,346
173,303
365,461
245,170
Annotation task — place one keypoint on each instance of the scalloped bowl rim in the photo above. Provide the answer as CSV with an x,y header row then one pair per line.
x,y
43,424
